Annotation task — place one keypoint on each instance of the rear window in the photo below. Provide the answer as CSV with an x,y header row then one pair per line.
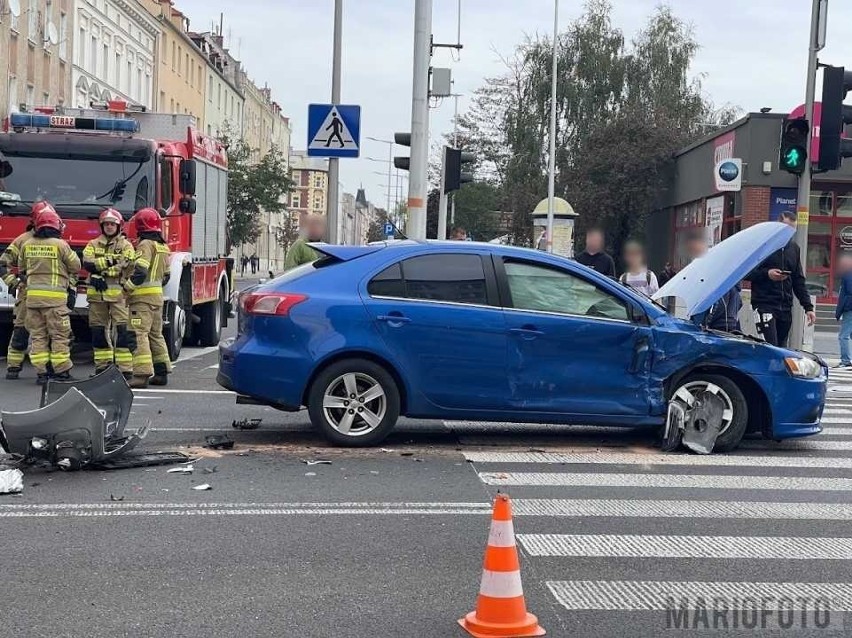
x,y
453,278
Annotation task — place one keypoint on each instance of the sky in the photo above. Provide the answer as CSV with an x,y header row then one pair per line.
x,y
753,54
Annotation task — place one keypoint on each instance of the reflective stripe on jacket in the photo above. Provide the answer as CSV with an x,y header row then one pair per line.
x,y
10,260
112,258
51,268
152,257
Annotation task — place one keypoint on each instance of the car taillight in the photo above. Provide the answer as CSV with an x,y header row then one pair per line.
x,y
270,303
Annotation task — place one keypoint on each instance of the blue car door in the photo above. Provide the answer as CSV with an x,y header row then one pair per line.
x,y
573,347
439,317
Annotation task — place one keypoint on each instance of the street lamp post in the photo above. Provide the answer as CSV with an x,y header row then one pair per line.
x,y
551,169
332,207
390,163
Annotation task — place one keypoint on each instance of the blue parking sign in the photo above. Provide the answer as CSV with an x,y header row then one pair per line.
x,y
389,229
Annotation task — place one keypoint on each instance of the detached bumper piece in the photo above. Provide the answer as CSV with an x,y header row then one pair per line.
x,y
696,427
79,424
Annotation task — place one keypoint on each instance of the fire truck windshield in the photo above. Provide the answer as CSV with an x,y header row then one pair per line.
x,y
126,183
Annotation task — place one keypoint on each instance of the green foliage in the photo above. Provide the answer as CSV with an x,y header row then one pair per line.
x,y
253,187
623,109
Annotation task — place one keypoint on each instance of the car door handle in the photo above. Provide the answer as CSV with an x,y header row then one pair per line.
x,y
526,331
394,319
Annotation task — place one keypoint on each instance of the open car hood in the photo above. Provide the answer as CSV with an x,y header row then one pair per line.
x,y
705,280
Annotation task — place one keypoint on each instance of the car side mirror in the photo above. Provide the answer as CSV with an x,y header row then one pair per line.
x,y
187,206
187,177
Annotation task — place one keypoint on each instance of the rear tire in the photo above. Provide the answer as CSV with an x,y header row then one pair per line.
x,y
354,403
730,392
211,315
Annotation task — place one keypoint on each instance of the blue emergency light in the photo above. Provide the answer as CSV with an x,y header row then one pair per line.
x,y
68,122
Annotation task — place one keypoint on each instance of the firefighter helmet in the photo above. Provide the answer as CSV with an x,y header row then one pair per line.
x,y
148,220
110,215
48,218
40,207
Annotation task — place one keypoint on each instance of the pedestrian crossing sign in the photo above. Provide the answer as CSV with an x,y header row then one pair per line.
x,y
334,130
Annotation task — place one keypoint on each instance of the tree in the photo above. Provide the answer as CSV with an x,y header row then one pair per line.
x,y
253,187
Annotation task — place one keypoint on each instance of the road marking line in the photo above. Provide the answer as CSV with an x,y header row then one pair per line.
x,y
626,458
640,508
196,353
91,510
837,411
832,430
667,481
223,392
653,546
647,595
797,444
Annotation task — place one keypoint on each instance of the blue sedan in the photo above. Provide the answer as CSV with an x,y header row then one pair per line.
x,y
460,330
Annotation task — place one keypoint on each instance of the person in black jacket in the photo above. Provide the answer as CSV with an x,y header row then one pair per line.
x,y
773,285
595,257
723,314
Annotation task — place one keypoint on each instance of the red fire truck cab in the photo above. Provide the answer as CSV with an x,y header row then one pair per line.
x,y
83,160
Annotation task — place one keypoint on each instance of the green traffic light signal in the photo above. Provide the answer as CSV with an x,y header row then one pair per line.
x,y
793,156
794,160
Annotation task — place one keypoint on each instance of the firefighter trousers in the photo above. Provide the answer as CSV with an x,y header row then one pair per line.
x,y
146,322
20,340
50,329
103,317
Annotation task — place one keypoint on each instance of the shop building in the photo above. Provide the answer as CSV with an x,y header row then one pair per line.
x,y
691,203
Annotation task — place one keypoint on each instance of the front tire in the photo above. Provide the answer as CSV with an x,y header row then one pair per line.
x,y
354,403
211,313
735,416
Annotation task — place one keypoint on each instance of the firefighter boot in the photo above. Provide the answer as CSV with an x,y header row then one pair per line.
x,y
42,378
63,376
12,373
138,382
161,373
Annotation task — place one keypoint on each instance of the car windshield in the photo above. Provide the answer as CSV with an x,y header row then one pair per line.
x,y
125,183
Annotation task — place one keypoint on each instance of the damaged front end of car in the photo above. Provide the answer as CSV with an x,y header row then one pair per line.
x,y
78,423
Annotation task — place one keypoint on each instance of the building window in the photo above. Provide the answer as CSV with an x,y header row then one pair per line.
x,y
165,47
210,89
187,68
118,70
191,72
305,178
140,88
105,63
129,76
318,181
13,94
296,200
32,20
63,36
30,100
81,51
174,54
93,62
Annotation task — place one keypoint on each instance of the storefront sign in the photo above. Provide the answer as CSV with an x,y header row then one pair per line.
x,y
846,236
729,174
781,200
715,208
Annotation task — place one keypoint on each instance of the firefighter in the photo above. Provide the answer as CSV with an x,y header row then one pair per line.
x,y
107,259
9,262
144,289
49,268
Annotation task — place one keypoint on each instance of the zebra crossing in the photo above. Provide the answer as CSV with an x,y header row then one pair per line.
x,y
638,538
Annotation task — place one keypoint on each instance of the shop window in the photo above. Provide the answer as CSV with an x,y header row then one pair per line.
x,y
822,203
689,220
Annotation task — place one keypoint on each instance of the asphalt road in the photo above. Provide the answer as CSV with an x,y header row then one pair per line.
x,y
389,542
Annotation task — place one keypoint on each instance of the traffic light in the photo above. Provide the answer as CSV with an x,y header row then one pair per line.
x,y
454,161
794,145
833,147
403,139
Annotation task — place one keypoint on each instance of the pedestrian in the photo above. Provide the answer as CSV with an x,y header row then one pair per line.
x,y
9,271
723,314
594,256
243,264
144,288
107,258
638,276
50,269
666,274
774,284
255,262
843,311
300,252
458,234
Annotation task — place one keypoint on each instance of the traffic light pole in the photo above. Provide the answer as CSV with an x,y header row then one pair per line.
x,y
418,178
442,203
803,199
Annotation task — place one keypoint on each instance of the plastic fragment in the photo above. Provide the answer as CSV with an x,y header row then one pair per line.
x,y
219,442
11,481
202,487
317,462
246,424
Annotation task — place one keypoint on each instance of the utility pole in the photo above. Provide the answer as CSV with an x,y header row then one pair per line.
x,y
455,141
551,169
332,204
819,14
442,198
418,184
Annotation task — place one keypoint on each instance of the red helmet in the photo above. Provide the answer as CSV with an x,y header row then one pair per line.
x,y
40,207
110,215
148,220
48,218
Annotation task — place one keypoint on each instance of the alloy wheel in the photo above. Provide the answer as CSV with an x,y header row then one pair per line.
x,y
354,404
689,393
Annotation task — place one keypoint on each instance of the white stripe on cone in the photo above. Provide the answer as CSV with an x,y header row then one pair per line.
x,y
501,534
501,584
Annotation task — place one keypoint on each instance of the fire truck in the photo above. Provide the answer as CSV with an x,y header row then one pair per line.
x,y
120,155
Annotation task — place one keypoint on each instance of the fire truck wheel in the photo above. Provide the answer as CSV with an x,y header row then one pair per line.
x,y
210,327
174,328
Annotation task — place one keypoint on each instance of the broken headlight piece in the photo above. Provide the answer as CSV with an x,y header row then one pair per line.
x,y
803,368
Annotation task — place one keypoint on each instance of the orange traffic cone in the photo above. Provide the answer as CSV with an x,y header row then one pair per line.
x,y
500,608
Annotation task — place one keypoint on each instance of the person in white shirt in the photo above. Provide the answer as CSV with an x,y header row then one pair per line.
x,y
638,276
